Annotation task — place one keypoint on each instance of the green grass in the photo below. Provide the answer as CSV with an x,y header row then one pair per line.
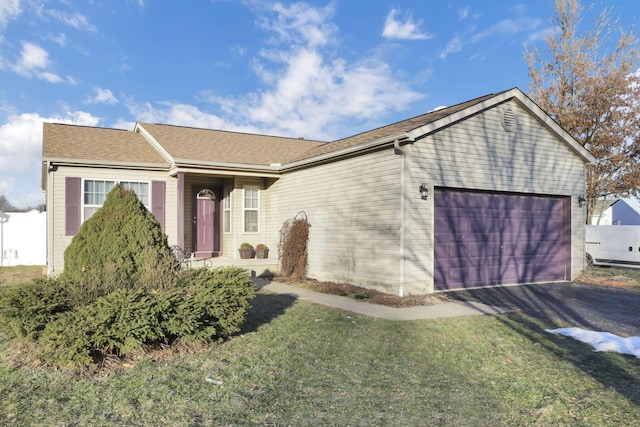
x,y
301,364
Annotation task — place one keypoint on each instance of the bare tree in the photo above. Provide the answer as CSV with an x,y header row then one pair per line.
x,y
589,83
6,206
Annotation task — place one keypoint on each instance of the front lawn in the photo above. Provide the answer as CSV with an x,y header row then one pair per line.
x,y
21,273
297,363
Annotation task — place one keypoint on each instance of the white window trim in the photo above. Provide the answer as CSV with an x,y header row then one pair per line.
x,y
115,181
227,204
245,209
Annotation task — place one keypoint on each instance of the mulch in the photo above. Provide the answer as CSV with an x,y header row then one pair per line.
x,y
390,300
368,295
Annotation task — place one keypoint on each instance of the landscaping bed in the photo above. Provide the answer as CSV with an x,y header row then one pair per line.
x,y
608,276
601,276
368,295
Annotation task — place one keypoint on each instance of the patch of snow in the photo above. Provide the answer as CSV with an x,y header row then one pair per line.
x,y
602,341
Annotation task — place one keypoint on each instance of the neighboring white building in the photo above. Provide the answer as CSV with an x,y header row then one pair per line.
x,y
23,238
615,212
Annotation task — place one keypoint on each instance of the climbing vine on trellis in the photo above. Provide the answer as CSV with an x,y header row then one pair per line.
x,y
292,248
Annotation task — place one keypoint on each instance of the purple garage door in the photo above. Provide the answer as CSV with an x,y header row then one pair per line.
x,y
486,239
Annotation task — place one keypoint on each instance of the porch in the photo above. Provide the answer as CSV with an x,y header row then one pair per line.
x,y
258,267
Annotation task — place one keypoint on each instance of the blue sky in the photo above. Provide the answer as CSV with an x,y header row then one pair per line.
x,y
317,69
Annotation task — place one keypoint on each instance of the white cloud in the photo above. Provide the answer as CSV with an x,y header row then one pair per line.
x,y
101,96
59,39
9,9
300,23
32,57
542,34
405,30
34,61
311,93
307,90
454,46
508,27
21,152
463,13
75,20
175,114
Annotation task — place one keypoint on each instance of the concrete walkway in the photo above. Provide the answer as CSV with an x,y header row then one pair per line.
x,y
447,309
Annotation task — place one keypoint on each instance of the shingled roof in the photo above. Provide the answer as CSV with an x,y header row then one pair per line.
x,y
88,144
395,128
184,146
187,145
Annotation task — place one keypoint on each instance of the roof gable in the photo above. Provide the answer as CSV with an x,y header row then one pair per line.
x,y
93,145
419,126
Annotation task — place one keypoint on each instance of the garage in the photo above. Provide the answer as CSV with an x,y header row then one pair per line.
x,y
490,239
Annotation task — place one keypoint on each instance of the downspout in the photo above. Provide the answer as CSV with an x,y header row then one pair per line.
x,y
399,151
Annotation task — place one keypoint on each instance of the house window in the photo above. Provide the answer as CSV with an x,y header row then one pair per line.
x,y
140,188
95,192
251,205
226,208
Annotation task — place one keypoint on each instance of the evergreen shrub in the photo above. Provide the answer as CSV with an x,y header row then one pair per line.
x,y
122,290
205,306
29,306
119,245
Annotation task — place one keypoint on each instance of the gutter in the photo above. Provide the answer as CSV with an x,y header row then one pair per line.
x,y
402,252
348,151
209,168
54,161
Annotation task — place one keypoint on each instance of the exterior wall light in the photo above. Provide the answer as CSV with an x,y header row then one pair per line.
x,y
424,191
581,201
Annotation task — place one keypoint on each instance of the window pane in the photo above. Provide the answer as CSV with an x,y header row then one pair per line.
x,y
140,188
227,221
251,199
89,211
95,191
227,198
251,221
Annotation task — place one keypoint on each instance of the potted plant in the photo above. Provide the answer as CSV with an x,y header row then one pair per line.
x,y
246,251
262,251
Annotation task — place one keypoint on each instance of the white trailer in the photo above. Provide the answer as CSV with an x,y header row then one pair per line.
x,y
614,245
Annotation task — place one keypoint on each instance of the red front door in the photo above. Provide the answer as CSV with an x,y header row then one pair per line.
x,y
205,223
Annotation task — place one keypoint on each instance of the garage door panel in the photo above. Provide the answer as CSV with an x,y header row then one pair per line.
x,y
484,239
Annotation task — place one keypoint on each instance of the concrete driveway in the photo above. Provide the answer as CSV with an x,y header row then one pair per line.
x,y
598,308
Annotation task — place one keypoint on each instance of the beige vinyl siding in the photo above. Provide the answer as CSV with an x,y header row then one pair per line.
x,y
238,235
478,153
57,242
352,206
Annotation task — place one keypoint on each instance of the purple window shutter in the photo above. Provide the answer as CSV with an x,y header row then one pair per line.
x,y
158,201
72,199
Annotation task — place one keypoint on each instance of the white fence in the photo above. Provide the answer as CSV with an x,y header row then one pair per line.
x,y
23,238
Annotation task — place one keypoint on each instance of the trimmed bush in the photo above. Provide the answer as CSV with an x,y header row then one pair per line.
x,y
118,248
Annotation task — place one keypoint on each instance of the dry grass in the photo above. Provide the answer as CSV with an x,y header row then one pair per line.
x,y
609,276
21,273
